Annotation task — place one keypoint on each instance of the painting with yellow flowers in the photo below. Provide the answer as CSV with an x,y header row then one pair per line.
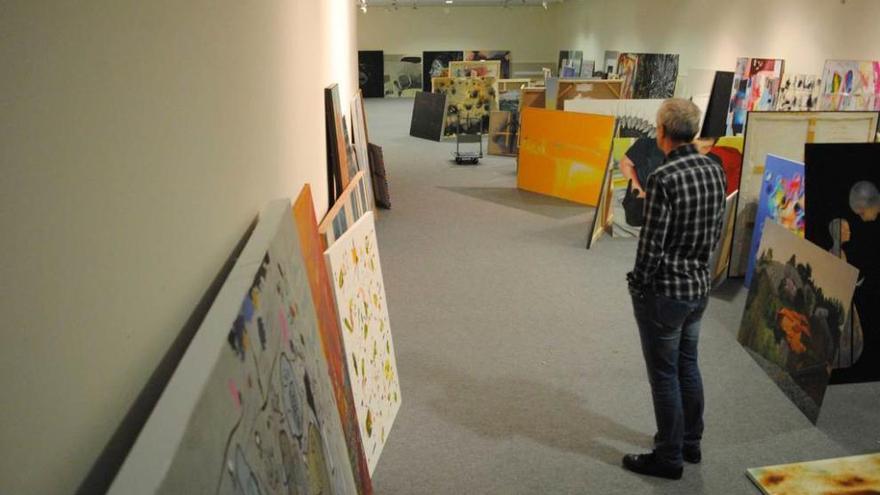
x,y
359,292
564,154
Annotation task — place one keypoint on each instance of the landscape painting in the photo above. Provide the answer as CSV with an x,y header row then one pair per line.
x,y
795,311
361,306
855,475
564,154
843,206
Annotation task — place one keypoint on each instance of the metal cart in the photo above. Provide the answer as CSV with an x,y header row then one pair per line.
x,y
468,157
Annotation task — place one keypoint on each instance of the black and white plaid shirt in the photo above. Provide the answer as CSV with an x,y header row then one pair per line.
x,y
684,210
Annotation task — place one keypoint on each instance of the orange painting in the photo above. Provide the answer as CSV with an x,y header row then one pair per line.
x,y
331,337
845,475
564,154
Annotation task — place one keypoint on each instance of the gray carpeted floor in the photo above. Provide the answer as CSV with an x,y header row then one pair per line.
x,y
518,355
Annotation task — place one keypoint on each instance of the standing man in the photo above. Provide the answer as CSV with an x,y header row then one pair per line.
x,y
669,285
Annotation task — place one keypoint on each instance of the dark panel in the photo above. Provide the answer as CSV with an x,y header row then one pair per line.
x,y
371,68
715,120
428,116
656,75
433,64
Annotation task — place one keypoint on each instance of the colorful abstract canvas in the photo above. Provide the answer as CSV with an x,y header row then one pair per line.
x,y
843,217
853,475
851,85
351,205
781,201
755,86
403,75
475,68
502,56
784,134
503,133
361,306
570,63
251,407
436,64
564,154
797,305
799,93
469,101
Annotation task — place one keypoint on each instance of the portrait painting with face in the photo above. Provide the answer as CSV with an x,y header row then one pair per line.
x,y
842,209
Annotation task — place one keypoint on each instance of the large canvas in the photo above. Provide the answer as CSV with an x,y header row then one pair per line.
x,y
371,70
359,291
351,205
564,154
469,100
797,305
781,200
436,64
843,203
251,406
331,337
429,116
715,116
755,85
656,75
784,134
502,56
799,93
851,85
720,258
503,133
360,145
475,68
570,63
853,475
626,70
403,75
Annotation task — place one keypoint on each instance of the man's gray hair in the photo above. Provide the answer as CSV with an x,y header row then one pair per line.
x,y
680,119
863,194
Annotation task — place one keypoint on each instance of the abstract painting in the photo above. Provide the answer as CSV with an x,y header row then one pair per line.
x,y
784,134
799,93
403,75
429,116
469,100
371,70
351,205
564,154
570,63
715,117
755,85
361,306
436,64
853,475
648,75
502,56
851,85
331,337
475,68
720,258
796,308
728,152
503,133
251,407
781,201
843,204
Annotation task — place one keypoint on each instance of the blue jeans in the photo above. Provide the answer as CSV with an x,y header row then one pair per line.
x,y
669,331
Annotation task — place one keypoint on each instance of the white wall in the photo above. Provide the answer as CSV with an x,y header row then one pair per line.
x,y
138,140
528,32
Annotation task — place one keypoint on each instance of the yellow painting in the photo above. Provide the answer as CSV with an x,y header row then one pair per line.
x,y
469,101
845,475
564,154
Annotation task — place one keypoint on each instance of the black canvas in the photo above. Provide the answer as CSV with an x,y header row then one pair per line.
x,y
840,180
379,177
371,68
434,62
428,116
655,76
715,120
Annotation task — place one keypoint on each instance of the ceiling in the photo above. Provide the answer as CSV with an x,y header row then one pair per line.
x,y
456,3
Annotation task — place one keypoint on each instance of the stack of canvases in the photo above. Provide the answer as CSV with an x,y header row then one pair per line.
x,y
290,384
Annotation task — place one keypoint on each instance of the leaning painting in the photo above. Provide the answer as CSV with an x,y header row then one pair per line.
x,y
851,85
469,101
251,407
796,308
502,56
855,475
359,291
755,86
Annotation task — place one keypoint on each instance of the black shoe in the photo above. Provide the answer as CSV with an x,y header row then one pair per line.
x,y
692,455
647,464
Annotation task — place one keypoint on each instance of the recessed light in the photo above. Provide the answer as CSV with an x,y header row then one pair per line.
x,y
448,2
